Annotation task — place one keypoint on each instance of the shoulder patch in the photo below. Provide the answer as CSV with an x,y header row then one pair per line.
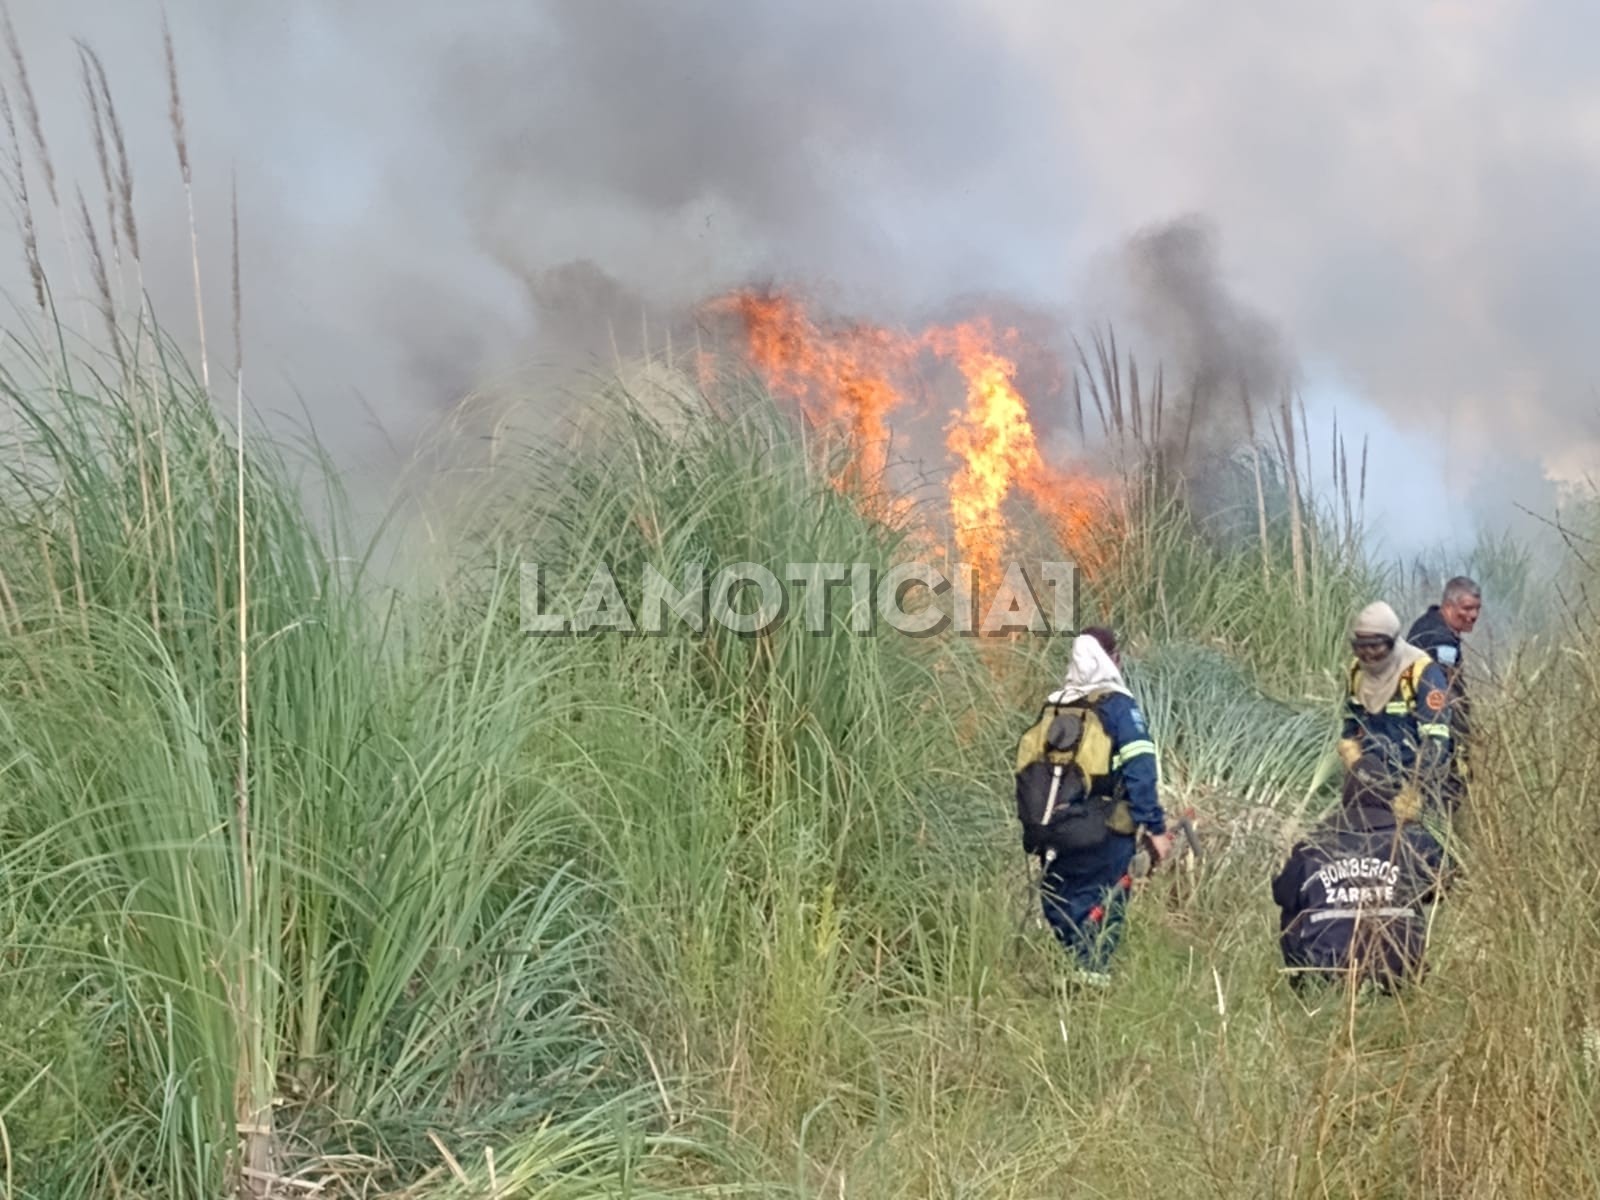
x,y
1447,655
1435,700
1137,717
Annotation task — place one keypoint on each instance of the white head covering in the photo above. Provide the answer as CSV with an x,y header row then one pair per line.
x,y
1377,681
1089,670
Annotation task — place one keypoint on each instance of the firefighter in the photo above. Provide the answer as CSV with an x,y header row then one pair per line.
x,y
1397,708
1351,894
1438,631
1084,890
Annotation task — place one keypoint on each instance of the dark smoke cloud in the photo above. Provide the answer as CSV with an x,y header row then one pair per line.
x,y
1174,306
433,194
839,144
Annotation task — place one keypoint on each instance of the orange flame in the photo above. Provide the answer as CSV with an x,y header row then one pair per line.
x,y
993,440
844,377
847,378
1080,510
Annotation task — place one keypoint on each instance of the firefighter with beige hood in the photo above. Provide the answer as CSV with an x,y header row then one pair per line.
x,y
1397,710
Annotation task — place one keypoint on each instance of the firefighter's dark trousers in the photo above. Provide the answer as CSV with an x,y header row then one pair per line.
x,y
1085,896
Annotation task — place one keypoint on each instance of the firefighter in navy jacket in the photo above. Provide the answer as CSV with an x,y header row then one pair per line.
x,y
1438,631
1350,895
1084,891
1397,709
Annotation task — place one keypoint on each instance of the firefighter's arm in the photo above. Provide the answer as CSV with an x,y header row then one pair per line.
x,y
1133,756
1433,722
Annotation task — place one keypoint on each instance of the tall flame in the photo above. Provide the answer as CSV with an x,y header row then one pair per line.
x,y
847,378
993,439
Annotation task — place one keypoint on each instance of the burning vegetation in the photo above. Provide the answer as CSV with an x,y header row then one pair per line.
x,y
851,379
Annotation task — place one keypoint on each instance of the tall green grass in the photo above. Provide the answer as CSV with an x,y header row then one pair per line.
x,y
768,808
373,935
1195,567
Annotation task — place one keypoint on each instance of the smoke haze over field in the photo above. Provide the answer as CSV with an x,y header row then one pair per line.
x,y
431,194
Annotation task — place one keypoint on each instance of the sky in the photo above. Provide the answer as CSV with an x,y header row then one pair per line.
x,y
1386,206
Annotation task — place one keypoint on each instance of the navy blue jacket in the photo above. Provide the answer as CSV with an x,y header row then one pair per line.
x,y
1432,633
1350,895
1133,759
1412,736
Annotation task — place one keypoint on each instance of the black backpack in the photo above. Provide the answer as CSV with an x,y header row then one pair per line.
x,y
1065,794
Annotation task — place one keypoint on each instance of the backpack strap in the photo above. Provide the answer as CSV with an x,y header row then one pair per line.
x,y
1410,676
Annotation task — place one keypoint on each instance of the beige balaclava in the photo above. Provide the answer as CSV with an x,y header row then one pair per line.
x,y
1377,681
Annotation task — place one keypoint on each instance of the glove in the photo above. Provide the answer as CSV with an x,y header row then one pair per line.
x,y
1349,751
1160,848
1408,803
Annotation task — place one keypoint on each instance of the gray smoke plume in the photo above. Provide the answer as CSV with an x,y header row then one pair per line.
x,y
432,196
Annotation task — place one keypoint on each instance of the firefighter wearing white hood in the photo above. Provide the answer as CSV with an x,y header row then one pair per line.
x,y
1084,890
